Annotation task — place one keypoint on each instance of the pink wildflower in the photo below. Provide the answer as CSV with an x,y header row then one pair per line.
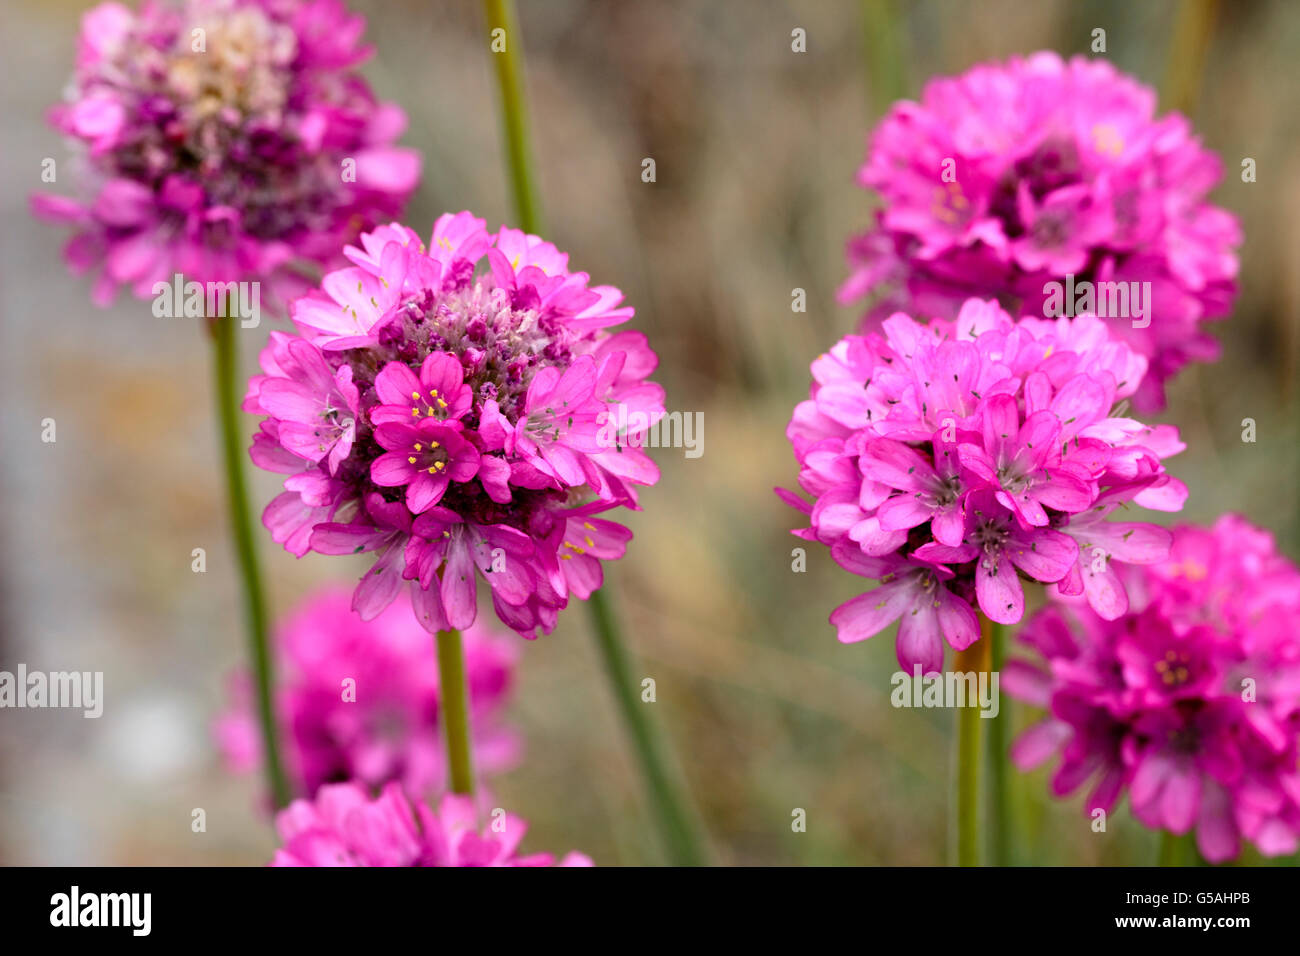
x,y
1190,702
464,398
343,826
359,700
1012,176
954,460
252,156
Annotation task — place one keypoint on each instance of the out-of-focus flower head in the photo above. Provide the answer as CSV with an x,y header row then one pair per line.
x,y
1013,176
1190,702
460,410
226,141
952,460
344,826
359,700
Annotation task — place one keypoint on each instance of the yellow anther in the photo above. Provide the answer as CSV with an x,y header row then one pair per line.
x,y
433,444
441,403
590,543
415,395
418,446
439,465
411,459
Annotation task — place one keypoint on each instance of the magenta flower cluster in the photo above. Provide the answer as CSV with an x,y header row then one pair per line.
x,y
224,140
1190,703
359,700
949,460
458,410
344,826
1015,175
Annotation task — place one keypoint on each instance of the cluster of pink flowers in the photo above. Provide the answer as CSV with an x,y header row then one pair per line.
x,y
456,421
1014,175
344,826
360,700
947,460
224,140
1190,702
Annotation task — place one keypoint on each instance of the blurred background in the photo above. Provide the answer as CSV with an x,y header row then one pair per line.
x,y
755,149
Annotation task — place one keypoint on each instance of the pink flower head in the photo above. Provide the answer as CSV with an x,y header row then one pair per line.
x,y
359,700
459,411
224,140
1013,176
1190,702
344,826
953,461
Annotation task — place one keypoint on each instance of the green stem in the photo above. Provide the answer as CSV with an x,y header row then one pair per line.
x,y
676,825
225,353
453,710
885,43
675,821
514,113
1174,848
1185,62
975,659
998,795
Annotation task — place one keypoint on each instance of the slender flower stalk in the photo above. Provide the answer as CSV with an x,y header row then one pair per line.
x,y
514,113
999,811
676,826
977,659
455,710
884,35
1185,66
1176,850
675,821
225,354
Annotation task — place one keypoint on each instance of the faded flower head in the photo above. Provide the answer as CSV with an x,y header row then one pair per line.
x,y
1012,176
344,826
359,700
449,410
1190,702
954,460
224,140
